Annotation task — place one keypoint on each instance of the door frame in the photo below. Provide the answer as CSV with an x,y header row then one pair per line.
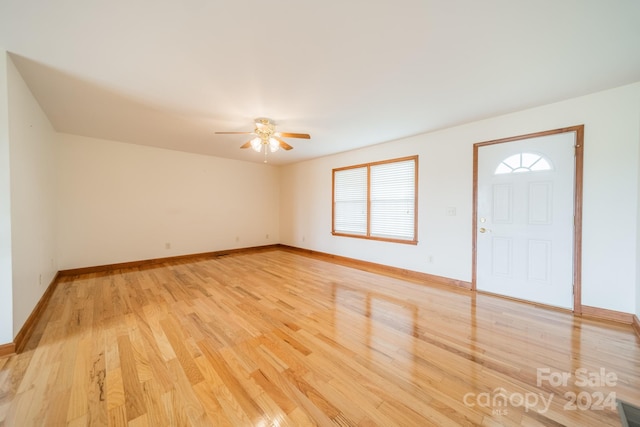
x,y
577,205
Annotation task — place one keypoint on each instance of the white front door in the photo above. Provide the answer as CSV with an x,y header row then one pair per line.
x,y
525,209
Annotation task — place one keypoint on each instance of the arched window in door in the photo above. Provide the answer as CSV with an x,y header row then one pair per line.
x,y
523,162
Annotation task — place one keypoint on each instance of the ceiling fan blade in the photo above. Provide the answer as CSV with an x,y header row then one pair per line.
x,y
234,133
246,144
283,144
294,135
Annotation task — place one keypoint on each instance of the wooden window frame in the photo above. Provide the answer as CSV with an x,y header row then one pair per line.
x,y
368,235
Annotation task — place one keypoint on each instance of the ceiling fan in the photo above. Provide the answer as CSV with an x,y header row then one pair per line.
x,y
267,138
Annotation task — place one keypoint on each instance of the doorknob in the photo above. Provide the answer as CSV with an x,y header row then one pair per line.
x,y
483,230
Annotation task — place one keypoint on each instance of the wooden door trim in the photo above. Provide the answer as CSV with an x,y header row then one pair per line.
x,y
577,206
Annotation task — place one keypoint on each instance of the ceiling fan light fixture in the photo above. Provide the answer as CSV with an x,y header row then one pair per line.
x,y
267,137
274,145
256,144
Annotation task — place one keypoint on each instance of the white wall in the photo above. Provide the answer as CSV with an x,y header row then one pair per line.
x,y
121,202
6,299
638,234
610,219
612,142
33,198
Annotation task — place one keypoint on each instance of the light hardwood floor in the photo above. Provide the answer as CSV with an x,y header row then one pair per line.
x,y
275,338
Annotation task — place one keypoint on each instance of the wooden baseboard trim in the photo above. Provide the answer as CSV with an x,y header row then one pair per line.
x,y
154,261
524,301
7,349
636,325
380,268
606,314
22,338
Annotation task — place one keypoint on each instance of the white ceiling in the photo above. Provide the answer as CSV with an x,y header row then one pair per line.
x,y
349,72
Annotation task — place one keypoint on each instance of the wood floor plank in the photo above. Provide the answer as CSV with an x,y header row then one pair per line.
x,y
241,395
156,414
118,416
215,411
134,402
185,401
79,404
114,389
176,338
277,338
231,409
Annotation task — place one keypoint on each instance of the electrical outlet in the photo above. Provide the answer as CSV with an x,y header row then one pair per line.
x,y
237,238
40,280
430,258
167,245
451,211
267,237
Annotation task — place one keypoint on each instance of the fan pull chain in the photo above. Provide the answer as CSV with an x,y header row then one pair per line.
x,y
265,153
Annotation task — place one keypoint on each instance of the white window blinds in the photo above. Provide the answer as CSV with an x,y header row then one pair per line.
x,y
350,201
393,200
377,200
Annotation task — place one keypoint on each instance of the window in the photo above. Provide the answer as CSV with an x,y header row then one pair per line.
x,y
523,162
377,200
